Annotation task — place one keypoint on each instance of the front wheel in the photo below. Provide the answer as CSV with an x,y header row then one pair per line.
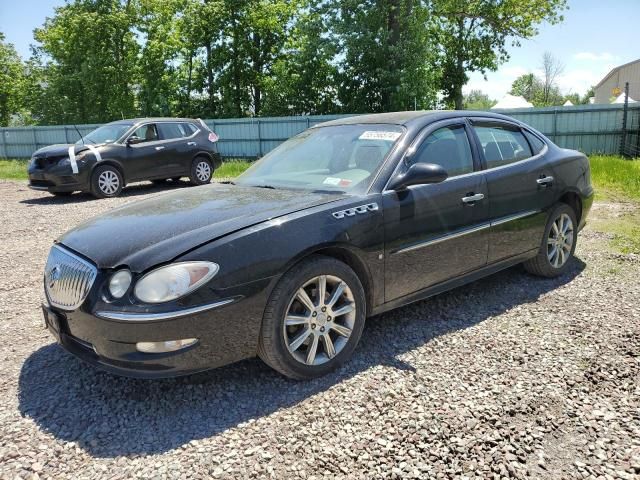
x,y
106,182
313,320
558,244
201,171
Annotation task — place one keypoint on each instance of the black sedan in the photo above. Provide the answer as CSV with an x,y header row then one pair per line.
x,y
349,219
117,153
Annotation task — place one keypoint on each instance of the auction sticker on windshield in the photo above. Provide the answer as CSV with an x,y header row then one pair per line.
x,y
379,135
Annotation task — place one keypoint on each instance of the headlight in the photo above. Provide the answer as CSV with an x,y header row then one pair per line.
x,y
174,281
119,283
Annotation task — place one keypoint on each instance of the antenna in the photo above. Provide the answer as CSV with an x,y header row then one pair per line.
x,y
81,137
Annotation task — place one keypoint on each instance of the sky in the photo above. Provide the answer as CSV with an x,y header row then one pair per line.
x,y
595,36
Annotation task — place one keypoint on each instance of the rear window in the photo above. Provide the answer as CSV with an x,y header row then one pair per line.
x,y
502,145
536,144
172,130
189,128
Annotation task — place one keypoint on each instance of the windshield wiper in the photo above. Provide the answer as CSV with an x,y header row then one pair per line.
x,y
327,191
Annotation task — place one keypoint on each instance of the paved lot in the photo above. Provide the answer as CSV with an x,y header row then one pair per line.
x,y
511,376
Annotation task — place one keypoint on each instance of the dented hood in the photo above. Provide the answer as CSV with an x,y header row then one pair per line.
x,y
161,228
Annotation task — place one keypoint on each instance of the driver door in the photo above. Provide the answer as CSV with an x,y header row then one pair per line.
x,y
438,231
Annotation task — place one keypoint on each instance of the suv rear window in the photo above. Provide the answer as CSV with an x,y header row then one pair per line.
x,y
171,130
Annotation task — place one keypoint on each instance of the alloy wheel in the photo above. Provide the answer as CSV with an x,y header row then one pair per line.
x,y
203,171
108,182
560,241
319,320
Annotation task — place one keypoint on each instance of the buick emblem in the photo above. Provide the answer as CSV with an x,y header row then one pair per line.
x,y
54,275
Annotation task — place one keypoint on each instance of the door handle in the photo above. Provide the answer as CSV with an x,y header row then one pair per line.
x,y
473,198
159,148
544,181
191,144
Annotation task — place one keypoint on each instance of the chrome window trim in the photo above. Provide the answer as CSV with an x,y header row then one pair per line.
x,y
466,231
149,317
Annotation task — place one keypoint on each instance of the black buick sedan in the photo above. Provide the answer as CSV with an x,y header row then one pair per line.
x,y
346,220
117,153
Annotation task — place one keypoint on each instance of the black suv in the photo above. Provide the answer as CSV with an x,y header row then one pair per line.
x,y
126,151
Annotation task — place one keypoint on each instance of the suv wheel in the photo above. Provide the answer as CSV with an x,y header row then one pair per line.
x,y
106,182
313,320
201,171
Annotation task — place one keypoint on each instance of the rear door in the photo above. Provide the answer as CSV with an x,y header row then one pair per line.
x,y
179,146
519,180
439,231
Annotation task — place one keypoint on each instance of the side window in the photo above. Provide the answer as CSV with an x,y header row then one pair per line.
x,y
448,147
146,133
189,128
502,145
171,131
536,144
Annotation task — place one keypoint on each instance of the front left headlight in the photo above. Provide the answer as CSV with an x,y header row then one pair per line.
x,y
174,281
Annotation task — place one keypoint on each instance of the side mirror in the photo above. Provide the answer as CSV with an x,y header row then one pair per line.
x,y
132,140
419,174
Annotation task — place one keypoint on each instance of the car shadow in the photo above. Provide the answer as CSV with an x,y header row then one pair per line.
x,y
133,190
111,416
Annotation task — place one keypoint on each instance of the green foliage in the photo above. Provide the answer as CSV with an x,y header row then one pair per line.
x,y
100,60
477,100
11,81
474,35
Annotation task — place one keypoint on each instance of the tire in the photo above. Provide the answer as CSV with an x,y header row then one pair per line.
x,y
290,349
62,194
201,171
546,264
106,182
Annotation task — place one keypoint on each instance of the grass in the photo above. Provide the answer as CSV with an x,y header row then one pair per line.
x,y
615,178
13,169
16,169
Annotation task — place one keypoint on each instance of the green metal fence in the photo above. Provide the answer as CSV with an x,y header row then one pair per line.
x,y
590,128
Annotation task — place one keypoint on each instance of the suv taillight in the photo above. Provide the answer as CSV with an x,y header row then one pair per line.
x,y
213,138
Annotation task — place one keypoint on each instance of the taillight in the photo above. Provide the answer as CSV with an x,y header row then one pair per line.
x,y
213,138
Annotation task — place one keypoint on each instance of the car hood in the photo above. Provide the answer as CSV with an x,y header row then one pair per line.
x,y
60,149
161,228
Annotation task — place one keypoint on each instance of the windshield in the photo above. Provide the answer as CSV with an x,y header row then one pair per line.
x,y
335,158
106,134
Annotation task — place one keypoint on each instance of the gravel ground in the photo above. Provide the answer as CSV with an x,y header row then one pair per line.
x,y
511,376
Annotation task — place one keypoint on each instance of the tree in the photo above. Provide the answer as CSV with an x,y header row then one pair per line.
x,y
473,35
552,68
527,86
303,80
478,100
386,55
11,82
87,59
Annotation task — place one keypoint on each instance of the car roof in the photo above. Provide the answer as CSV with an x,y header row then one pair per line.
x,y
153,119
411,118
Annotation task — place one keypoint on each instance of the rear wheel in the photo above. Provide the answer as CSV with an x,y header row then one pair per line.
x,y
313,320
558,244
201,171
106,182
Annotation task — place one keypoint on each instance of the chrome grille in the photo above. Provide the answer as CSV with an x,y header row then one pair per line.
x,y
67,278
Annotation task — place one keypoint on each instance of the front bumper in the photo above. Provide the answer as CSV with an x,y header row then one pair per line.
x,y
57,179
226,333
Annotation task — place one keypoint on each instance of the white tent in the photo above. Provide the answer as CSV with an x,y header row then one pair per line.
x,y
512,101
620,99
567,104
